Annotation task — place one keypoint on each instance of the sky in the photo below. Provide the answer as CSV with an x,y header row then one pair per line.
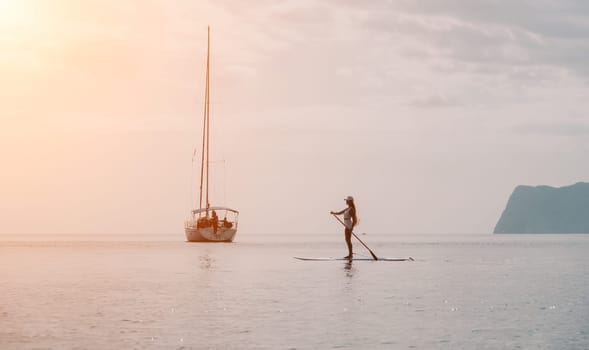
x,y
428,112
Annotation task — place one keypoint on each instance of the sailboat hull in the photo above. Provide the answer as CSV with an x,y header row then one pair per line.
x,y
207,234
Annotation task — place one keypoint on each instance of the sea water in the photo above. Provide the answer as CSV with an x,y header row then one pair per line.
x,y
148,292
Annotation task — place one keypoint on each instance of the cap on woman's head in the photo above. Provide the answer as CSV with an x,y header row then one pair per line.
x,y
349,198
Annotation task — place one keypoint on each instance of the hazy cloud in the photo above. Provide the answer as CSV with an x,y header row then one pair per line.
x,y
554,128
433,101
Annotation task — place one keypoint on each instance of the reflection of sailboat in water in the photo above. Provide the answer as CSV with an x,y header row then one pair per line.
x,y
204,224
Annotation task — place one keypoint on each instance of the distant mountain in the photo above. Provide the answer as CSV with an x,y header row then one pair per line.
x,y
545,209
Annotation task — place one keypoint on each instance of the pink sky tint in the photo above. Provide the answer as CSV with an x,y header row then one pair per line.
x,y
428,114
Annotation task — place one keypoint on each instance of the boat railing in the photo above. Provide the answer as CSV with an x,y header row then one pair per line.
x,y
193,222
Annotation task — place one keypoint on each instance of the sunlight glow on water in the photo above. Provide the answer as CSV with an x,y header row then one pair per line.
x,y
462,292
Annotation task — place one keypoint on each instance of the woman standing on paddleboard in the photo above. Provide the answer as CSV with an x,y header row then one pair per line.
x,y
350,221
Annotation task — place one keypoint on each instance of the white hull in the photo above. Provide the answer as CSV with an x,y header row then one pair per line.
x,y
207,234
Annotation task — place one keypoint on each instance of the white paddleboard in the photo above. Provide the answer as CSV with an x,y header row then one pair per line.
x,y
353,259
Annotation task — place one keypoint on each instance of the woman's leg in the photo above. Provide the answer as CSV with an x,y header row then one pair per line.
x,y
349,241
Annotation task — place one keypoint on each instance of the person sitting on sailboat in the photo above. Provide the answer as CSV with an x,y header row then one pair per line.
x,y
215,221
226,223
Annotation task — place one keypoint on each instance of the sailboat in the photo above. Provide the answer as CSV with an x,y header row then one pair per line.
x,y
205,223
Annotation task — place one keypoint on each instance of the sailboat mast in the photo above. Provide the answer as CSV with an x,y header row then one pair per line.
x,y
208,107
204,132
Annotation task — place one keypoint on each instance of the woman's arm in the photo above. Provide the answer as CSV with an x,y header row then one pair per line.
x,y
337,212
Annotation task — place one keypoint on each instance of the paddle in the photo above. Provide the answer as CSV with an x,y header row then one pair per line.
x,y
365,246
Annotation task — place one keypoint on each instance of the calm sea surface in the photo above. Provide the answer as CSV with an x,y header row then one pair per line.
x,y
461,292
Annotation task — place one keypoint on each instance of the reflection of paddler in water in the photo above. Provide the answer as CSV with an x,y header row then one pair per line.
x,y
350,221
348,268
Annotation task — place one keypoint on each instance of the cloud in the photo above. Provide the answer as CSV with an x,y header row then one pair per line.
x,y
554,128
407,52
437,100
527,33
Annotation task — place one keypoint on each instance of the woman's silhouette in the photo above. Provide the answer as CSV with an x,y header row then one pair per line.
x,y
350,221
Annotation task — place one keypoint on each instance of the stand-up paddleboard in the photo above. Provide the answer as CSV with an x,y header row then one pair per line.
x,y
353,259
